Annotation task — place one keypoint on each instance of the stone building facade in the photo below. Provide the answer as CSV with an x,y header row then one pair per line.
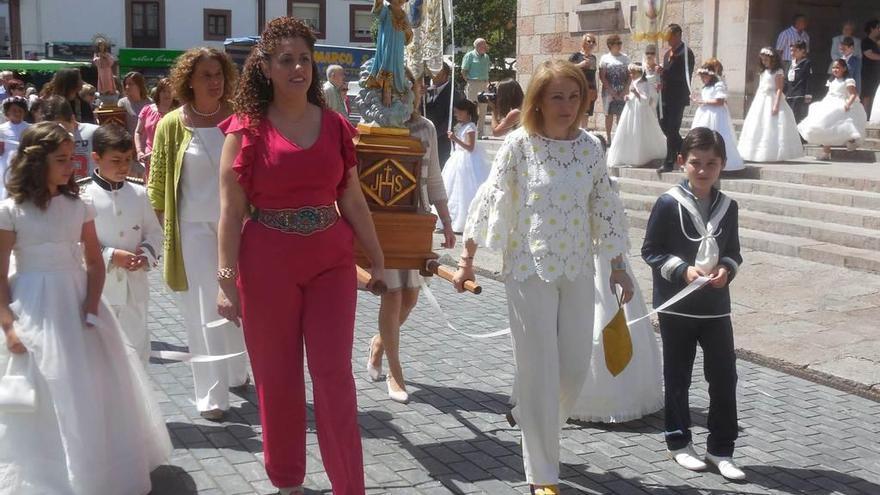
x,y
731,30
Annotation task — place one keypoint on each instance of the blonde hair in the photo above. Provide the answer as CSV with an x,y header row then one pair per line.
x,y
532,119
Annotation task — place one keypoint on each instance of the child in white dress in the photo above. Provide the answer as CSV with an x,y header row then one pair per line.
x,y
15,108
713,112
128,230
466,169
769,133
96,429
838,119
639,140
601,400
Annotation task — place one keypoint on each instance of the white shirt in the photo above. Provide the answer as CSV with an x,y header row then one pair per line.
x,y
125,220
10,135
200,176
549,206
82,150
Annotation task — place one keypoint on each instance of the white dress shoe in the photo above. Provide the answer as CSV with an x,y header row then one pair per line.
x,y
374,371
687,458
726,467
397,395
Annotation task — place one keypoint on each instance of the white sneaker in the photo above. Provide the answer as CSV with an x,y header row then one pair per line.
x,y
726,467
687,458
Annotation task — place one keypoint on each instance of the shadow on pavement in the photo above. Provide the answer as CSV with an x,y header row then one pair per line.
x,y
239,437
168,480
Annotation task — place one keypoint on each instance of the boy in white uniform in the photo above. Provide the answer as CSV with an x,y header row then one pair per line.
x,y
128,230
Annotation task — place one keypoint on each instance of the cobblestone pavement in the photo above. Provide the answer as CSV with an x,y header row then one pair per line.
x,y
797,437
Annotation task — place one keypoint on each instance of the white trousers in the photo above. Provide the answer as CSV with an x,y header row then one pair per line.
x,y
552,329
132,312
198,305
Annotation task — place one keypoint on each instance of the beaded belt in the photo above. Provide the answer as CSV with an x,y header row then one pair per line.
x,y
303,221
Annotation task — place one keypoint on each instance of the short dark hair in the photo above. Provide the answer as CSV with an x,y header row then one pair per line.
x,y
57,107
848,41
703,138
799,45
673,29
797,17
112,137
871,25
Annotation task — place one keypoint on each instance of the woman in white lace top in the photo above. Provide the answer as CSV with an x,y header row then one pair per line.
x,y
549,207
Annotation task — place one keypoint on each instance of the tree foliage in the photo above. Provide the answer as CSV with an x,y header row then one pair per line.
x,y
494,20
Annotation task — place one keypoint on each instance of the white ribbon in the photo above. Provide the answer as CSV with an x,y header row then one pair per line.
x,y
436,305
186,357
692,287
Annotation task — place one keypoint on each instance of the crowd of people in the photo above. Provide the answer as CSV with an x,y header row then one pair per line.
x,y
781,118
212,174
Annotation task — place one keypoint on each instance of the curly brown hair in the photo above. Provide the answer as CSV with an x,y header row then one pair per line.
x,y
185,66
28,173
254,92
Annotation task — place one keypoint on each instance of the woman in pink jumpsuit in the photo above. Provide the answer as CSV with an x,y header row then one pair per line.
x,y
288,163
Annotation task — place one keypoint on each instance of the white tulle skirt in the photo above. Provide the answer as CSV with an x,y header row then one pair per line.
x,y
97,429
463,174
769,138
828,124
875,107
638,390
638,139
717,118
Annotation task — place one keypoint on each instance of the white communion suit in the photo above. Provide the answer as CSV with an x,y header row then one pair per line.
x,y
549,206
126,221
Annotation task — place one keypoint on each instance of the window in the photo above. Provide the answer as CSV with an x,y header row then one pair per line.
x,y
218,24
312,12
145,21
360,22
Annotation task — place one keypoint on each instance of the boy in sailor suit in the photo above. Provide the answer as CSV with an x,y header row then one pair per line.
x,y
693,233
128,230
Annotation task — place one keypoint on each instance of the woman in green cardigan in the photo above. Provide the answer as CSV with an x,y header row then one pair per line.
x,y
184,191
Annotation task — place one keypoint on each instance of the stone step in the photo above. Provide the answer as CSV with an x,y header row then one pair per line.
x,y
839,181
778,174
873,131
868,152
815,194
809,249
825,232
844,215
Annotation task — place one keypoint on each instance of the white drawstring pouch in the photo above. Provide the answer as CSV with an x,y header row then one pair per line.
x,y
18,393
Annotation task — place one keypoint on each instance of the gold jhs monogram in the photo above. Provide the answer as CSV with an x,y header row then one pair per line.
x,y
387,179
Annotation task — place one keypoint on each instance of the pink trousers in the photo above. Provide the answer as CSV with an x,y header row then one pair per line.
x,y
301,292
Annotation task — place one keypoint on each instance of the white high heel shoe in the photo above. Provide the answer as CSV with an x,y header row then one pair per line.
x,y
397,395
374,371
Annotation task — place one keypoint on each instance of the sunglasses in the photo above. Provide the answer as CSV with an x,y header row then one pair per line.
x,y
616,43
650,53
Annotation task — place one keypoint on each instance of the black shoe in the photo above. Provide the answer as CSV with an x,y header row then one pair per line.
x,y
666,167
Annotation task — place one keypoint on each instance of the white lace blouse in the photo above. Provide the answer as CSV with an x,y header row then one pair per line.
x,y
549,206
